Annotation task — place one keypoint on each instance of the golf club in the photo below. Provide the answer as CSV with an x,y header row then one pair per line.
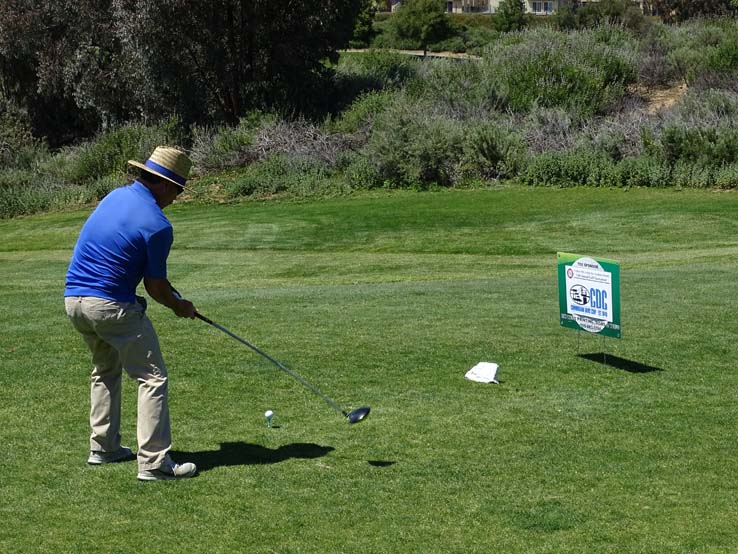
x,y
353,416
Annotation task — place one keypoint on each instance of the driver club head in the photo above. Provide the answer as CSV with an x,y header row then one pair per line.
x,y
359,414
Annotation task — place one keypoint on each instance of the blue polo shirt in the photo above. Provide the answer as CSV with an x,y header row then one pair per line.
x,y
125,239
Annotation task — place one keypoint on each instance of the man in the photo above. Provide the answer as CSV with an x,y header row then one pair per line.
x,y
127,239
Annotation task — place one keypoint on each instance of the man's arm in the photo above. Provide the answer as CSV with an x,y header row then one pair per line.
x,y
161,291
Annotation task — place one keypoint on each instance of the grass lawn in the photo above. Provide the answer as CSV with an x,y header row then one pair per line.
x,y
387,300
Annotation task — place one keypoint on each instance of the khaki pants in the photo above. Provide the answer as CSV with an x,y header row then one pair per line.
x,y
120,336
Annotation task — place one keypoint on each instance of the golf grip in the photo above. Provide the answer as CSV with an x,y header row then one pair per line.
x,y
274,361
205,319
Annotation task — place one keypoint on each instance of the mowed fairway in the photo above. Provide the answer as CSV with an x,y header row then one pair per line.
x,y
387,300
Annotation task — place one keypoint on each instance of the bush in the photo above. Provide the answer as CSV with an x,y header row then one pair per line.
x,y
43,196
657,67
476,38
704,47
361,112
225,146
452,44
727,177
549,129
361,173
643,171
567,169
708,108
617,137
18,147
278,174
413,147
510,16
419,23
458,87
492,152
110,152
579,72
705,146
377,69
685,174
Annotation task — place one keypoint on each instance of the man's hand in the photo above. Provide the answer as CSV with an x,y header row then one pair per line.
x,y
161,291
185,308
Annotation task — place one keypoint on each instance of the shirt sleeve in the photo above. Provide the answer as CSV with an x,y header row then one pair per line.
x,y
157,252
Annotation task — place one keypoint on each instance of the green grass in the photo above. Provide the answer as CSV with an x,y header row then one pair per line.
x,y
387,300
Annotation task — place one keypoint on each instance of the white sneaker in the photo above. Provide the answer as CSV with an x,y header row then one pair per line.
x,y
168,471
98,457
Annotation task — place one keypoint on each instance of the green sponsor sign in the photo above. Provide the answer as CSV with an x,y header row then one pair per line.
x,y
589,294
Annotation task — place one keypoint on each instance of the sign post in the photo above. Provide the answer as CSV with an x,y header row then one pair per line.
x,y
589,294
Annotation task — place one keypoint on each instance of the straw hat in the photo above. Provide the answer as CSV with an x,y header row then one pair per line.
x,y
168,163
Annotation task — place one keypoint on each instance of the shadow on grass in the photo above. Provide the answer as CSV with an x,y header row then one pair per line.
x,y
619,363
381,463
241,453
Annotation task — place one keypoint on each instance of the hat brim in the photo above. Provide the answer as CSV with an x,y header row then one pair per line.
x,y
154,172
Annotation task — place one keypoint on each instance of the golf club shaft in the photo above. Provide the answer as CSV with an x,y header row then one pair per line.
x,y
276,362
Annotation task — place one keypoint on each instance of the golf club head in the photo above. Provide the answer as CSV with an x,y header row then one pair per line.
x,y
358,414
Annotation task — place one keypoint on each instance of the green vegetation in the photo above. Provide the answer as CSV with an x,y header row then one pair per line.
x,y
387,299
419,22
538,107
510,16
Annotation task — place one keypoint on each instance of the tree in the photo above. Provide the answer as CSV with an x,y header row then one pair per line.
x,y
220,58
565,18
59,61
510,16
681,10
76,66
364,27
422,22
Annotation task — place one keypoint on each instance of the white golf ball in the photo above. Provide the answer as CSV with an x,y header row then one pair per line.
x,y
268,414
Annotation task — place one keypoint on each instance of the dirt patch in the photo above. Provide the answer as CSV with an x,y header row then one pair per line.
x,y
657,99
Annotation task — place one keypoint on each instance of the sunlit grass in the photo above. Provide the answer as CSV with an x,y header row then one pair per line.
x,y
387,300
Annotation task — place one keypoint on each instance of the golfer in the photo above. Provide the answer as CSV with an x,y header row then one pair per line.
x,y
125,240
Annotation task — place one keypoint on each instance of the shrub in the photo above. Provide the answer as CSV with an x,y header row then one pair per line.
x,y
492,152
708,107
478,37
617,137
706,146
643,171
577,72
44,195
377,69
298,140
412,147
18,147
419,23
109,153
726,177
452,44
510,16
566,169
703,47
685,174
278,174
361,173
549,129
225,146
457,87
656,66
361,112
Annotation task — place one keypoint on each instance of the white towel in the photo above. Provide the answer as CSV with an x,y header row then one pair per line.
x,y
483,372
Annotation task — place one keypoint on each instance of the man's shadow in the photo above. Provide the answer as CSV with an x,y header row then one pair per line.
x,y
241,453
